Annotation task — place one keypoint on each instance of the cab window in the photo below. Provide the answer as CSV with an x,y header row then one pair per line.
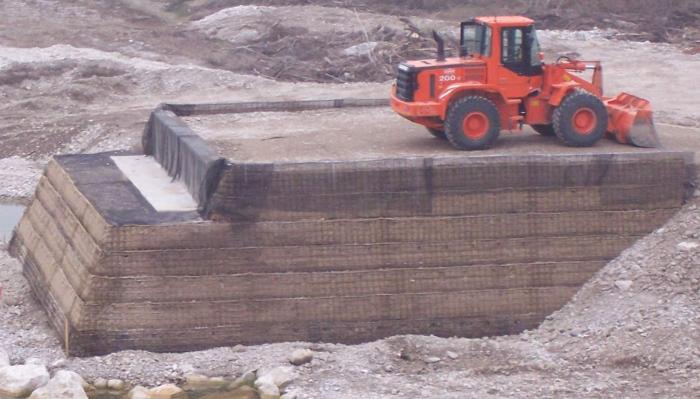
x,y
520,50
512,46
476,39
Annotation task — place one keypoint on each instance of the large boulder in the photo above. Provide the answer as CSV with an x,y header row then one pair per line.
x,y
168,391
278,376
64,385
21,380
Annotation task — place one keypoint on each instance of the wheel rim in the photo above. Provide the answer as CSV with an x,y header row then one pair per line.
x,y
475,125
584,121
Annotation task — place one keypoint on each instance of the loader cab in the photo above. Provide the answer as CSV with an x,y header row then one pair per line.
x,y
510,42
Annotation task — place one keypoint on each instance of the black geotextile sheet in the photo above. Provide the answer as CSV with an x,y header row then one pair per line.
x,y
187,156
182,153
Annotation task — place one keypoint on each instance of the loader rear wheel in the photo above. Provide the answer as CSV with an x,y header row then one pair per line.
x,y
472,123
580,120
545,130
439,133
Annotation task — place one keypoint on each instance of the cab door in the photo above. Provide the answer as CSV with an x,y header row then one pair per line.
x,y
517,69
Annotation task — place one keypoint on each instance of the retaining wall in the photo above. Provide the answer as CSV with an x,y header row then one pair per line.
x,y
331,251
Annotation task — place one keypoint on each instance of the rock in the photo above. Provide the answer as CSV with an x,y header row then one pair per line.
x,y
168,391
199,382
60,363
217,382
115,384
687,246
244,392
100,383
280,377
268,391
4,359
21,380
431,359
359,50
452,355
301,356
139,392
35,361
623,285
290,395
64,384
248,378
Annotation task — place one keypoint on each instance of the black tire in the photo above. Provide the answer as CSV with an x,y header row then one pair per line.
x,y
437,133
545,130
563,119
486,112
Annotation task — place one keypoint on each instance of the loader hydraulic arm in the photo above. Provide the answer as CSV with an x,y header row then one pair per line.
x,y
582,66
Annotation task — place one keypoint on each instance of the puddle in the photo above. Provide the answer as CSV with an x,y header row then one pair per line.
x,y
9,217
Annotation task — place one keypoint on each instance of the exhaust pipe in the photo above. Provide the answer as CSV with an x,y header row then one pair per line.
x,y
440,46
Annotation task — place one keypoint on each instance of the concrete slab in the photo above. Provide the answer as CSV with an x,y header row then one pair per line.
x,y
160,190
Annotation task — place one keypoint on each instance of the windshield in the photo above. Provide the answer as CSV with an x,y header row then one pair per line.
x,y
475,39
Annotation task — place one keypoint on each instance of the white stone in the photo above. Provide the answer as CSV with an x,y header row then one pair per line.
x,y
64,385
115,384
432,359
248,378
361,49
167,391
21,380
623,285
688,246
452,355
290,395
281,377
268,391
301,356
35,361
139,392
100,383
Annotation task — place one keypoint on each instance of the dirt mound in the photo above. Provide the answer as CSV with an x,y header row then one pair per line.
x,y
55,96
675,21
321,43
642,308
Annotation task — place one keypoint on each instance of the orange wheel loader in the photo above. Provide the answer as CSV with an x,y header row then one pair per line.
x,y
500,82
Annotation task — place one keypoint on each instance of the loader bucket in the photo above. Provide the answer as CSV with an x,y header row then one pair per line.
x,y
630,121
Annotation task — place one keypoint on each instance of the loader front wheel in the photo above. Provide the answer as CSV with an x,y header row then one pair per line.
x,y
472,123
580,120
